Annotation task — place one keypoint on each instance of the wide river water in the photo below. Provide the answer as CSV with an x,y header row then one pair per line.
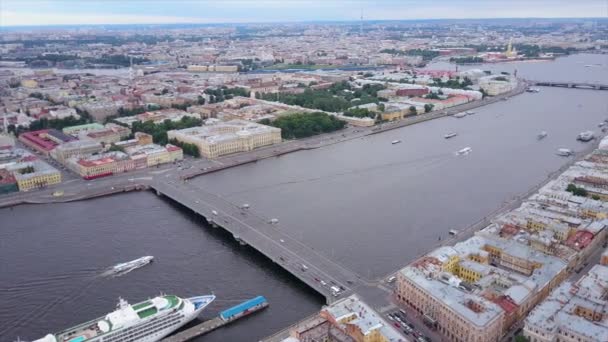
x,y
370,205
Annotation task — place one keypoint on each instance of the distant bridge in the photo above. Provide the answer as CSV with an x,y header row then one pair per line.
x,y
579,85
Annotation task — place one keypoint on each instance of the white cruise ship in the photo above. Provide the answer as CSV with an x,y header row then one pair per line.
x,y
147,321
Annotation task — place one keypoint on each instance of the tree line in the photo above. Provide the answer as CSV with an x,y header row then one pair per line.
x,y
188,148
337,98
159,131
302,125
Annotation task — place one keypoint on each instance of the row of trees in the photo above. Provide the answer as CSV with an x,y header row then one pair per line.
x,y
427,55
302,125
466,60
54,59
576,191
225,93
159,131
44,123
360,113
188,148
455,83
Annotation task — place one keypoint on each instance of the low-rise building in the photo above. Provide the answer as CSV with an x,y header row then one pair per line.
x,y
217,139
101,165
44,140
497,84
25,171
346,320
454,288
574,312
157,116
156,154
70,149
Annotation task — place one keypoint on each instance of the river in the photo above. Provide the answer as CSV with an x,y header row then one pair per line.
x,y
53,256
370,205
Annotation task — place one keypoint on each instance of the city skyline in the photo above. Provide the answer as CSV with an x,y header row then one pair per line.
x,y
51,13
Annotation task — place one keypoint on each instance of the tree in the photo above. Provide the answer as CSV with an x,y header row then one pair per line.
x,y
521,338
360,113
189,149
200,100
37,95
413,110
114,147
301,125
428,107
596,197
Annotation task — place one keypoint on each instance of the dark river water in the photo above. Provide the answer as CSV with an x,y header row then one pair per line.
x,y
370,205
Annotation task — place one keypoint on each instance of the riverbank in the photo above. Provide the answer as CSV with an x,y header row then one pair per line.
x,y
340,136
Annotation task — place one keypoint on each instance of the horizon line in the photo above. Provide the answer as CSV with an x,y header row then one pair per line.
x,y
306,21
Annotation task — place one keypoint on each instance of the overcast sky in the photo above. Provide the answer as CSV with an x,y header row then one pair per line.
x,y
67,12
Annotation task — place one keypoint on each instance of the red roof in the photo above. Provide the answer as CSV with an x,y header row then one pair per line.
x,y
580,239
172,148
96,162
36,138
506,304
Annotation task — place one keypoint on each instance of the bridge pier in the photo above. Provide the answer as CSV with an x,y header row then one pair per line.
x,y
570,85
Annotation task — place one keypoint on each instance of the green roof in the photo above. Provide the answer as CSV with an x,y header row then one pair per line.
x,y
147,312
173,300
141,305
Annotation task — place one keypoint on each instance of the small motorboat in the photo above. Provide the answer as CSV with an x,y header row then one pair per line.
x,y
450,135
541,135
395,141
465,151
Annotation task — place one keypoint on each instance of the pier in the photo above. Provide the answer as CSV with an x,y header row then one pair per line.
x,y
258,304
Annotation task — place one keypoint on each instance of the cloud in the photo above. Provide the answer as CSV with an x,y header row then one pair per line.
x,y
9,18
77,12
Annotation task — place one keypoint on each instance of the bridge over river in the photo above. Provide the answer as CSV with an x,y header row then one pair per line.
x,y
563,84
267,237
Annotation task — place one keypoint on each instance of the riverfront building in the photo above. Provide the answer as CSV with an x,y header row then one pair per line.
x,y
347,320
475,290
134,157
215,139
19,167
497,84
575,311
75,148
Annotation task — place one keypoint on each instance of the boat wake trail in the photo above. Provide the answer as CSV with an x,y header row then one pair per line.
x,y
126,267
31,287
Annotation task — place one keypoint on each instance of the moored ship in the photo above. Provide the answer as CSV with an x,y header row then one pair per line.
x,y
147,321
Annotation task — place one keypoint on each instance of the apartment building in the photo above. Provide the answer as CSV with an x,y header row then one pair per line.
x,y
574,312
475,290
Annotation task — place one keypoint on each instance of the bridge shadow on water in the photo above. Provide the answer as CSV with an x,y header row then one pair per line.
x,y
250,254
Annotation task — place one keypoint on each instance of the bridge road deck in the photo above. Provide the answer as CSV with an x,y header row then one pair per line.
x,y
267,238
